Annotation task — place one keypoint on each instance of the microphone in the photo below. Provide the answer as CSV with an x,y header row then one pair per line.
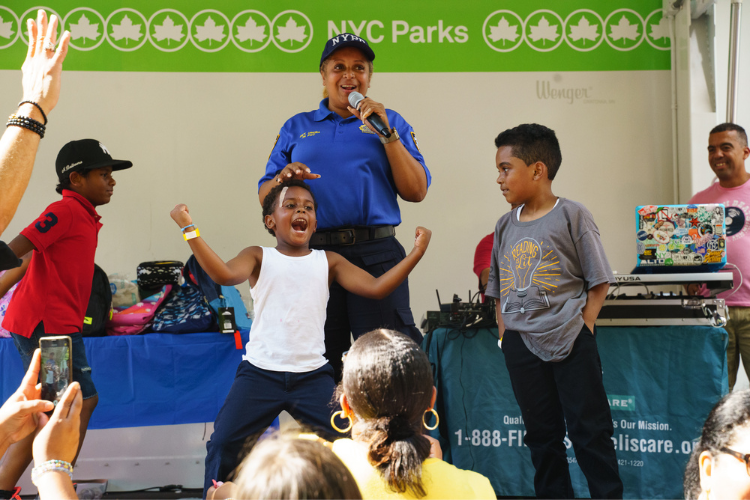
x,y
354,99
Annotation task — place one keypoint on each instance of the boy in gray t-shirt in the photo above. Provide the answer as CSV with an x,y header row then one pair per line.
x,y
549,277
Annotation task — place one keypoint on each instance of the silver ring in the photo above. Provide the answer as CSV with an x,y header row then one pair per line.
x,y
48,45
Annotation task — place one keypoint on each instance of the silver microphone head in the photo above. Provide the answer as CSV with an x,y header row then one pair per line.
x,y
355,98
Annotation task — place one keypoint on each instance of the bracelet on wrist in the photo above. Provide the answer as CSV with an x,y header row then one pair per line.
x,y
50,466
27,123
191,234
37,107
189,225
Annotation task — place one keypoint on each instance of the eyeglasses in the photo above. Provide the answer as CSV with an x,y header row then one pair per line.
x,y
744,457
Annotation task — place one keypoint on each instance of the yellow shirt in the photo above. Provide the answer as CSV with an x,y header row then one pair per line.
x,y
440,479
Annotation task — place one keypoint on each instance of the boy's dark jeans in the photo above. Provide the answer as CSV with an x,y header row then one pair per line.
x,y
553,393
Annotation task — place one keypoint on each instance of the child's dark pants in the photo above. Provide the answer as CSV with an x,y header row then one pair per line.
x,y
256,398
553,393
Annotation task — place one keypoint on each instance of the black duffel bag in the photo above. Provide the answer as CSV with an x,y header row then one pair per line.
x,y
159,273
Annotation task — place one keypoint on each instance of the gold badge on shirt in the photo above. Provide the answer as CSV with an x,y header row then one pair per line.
x,y
366,130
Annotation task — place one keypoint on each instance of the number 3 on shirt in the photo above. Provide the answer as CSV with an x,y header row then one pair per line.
x,y
45,225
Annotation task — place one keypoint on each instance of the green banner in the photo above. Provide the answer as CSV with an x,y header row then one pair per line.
x,y
288,36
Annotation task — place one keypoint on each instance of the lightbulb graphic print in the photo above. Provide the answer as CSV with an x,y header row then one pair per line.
x,y
527,274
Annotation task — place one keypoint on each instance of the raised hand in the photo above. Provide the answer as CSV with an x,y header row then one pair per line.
x,y
43,65
181,215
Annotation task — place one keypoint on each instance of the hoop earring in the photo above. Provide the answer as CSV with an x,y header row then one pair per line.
x,y
437,420
333,424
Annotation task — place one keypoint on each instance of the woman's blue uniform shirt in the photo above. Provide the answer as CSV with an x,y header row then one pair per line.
x,y
356,187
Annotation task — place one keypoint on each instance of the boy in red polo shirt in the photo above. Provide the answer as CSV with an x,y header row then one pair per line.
x,y
53,296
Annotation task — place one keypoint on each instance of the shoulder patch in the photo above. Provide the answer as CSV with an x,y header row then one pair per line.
x,y
274,145
416,143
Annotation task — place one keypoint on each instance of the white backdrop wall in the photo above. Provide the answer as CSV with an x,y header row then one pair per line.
x,y
203,140
707,113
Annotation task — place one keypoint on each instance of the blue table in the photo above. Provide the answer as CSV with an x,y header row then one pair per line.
x,y
661,383
153,379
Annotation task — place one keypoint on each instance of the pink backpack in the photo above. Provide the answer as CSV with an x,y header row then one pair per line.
x,y
137,318
4,301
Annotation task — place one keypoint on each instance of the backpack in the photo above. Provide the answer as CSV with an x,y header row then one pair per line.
x,y
99,309
186,311
217,295
135,319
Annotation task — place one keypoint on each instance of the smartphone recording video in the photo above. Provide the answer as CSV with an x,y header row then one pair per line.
x,y
56,370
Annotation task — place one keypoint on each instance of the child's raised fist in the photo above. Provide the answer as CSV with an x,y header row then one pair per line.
x,y
422,238
181,215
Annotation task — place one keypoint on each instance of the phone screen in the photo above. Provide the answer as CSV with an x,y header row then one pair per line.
x,y
55,373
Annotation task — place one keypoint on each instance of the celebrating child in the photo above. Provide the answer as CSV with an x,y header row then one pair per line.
x,y
283,367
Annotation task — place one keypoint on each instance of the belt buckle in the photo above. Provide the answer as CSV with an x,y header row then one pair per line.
x,y
350,231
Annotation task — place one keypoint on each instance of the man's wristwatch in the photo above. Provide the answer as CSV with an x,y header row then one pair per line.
x,y
394,137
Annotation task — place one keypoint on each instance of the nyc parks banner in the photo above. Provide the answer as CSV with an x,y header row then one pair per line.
x,y
406,35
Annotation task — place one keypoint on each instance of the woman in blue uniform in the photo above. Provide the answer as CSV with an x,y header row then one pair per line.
x,y
356,175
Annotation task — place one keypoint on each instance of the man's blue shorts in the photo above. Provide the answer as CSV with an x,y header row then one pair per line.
x,y
81,368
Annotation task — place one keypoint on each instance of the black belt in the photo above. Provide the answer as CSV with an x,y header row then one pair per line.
x,y
350,236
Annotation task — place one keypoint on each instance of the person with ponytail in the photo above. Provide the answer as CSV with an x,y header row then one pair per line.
x,y
387,393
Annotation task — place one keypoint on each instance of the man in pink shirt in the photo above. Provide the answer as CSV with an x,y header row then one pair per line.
x,y
727,152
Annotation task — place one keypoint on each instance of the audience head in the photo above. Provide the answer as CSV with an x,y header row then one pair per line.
x,y
533,143
288,466
386,389
714,470
271,201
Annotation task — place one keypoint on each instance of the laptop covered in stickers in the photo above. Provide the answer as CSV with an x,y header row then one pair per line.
x,y
680,238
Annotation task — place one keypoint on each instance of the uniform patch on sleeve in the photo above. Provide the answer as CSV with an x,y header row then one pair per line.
x,y
274,145
416,142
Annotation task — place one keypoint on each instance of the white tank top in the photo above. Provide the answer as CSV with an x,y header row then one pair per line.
x,y
290,301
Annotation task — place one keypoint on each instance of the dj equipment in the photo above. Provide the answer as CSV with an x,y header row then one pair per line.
x,y
635,308
460,315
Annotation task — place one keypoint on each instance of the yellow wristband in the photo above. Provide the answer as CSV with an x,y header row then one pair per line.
x,y
191,234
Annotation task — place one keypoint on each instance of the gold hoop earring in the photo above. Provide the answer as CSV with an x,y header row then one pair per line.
x,y
333,423
437,420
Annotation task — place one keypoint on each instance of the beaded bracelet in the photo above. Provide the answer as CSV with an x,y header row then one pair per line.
x,y
27,123
49,466
37,107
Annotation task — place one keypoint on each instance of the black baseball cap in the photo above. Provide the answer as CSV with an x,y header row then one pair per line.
x,y
85,154
346,40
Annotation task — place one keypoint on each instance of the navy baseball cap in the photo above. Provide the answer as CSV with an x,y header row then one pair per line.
x,y
85,154
346,40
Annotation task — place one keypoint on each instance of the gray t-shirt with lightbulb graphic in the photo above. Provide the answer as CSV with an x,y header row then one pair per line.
x,y
541,271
